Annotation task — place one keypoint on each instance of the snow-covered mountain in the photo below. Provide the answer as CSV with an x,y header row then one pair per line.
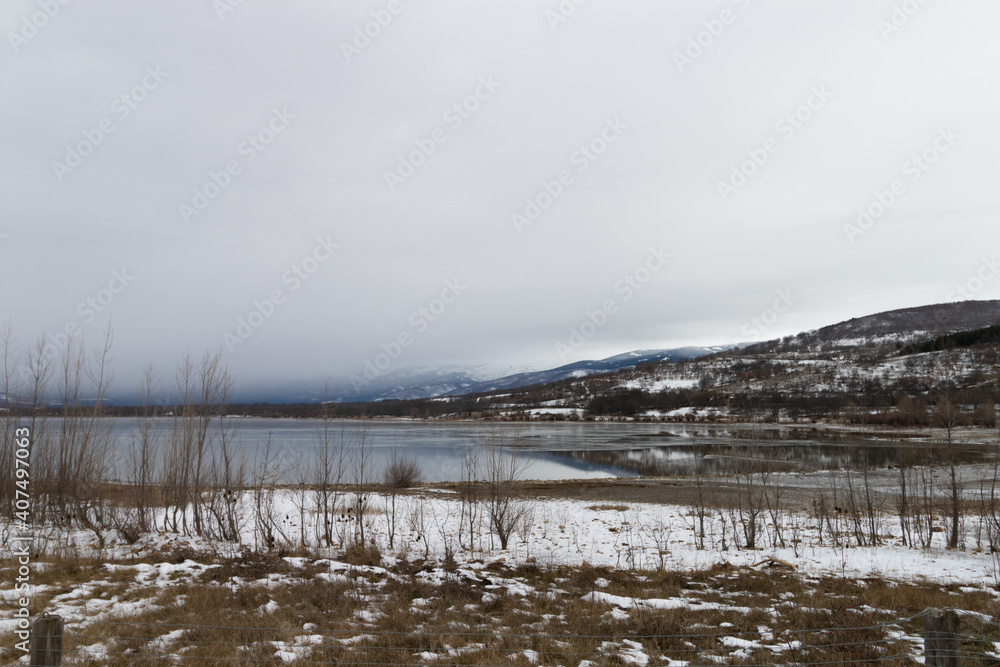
x,y
439,381
834,358
858,367
904,325
591,367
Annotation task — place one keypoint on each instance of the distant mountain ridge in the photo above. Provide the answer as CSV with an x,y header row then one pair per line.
x,y
584,368
903,325
881,368
888,368
898,327
446,381
435,382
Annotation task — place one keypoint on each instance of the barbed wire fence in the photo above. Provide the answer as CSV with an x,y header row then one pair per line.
x,y
936,637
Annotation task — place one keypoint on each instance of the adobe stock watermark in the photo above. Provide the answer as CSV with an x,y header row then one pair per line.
x,y
625,290
757,327
562,12
712,30
912,171
900,16
225,7
294,277
967,291
121,108
366,33
419,321
31,25
581,159
21,536
88,309
455,117
786,127
249,150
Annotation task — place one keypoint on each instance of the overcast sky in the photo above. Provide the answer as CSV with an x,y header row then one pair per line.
x,y
256,138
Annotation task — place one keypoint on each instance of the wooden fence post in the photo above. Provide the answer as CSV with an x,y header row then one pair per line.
x,y
941,638
46,642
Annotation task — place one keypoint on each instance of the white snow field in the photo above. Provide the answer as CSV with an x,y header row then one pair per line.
x,y
639,536
633,540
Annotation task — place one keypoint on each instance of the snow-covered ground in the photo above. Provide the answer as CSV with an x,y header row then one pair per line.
x,y
561,531
657,384
427,523
554,411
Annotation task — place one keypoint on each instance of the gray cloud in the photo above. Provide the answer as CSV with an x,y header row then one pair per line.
x,y
324,174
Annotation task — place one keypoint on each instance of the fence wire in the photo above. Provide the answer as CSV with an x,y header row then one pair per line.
x,y
118,642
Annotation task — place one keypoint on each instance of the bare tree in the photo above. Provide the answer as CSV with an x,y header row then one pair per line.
x,y
903,500
926,495
82,460
36,371
400,472
418,526
215,386
140,462
178,455
504,461
228,481
362,473
470,497
864,503
992,510
948,416
267,471
330,469
701,511
750,471
301,476
203,392
526,523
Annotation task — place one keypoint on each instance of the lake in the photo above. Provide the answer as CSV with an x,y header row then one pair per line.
x,y
574,450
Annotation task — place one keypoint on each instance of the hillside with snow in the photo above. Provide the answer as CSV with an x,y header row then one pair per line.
x,y
856,370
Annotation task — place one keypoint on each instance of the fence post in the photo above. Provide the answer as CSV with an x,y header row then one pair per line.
x,y
46,642
941,638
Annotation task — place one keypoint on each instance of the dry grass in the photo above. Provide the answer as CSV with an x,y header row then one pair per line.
x,y
245,609
609,508
362,553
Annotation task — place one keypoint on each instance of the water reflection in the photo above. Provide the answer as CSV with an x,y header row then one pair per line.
x,y
569,450
724,457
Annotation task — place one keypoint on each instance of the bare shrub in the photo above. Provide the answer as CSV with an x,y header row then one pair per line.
x,y
659,531
986,414
418,526
751,472
401,471
358,552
